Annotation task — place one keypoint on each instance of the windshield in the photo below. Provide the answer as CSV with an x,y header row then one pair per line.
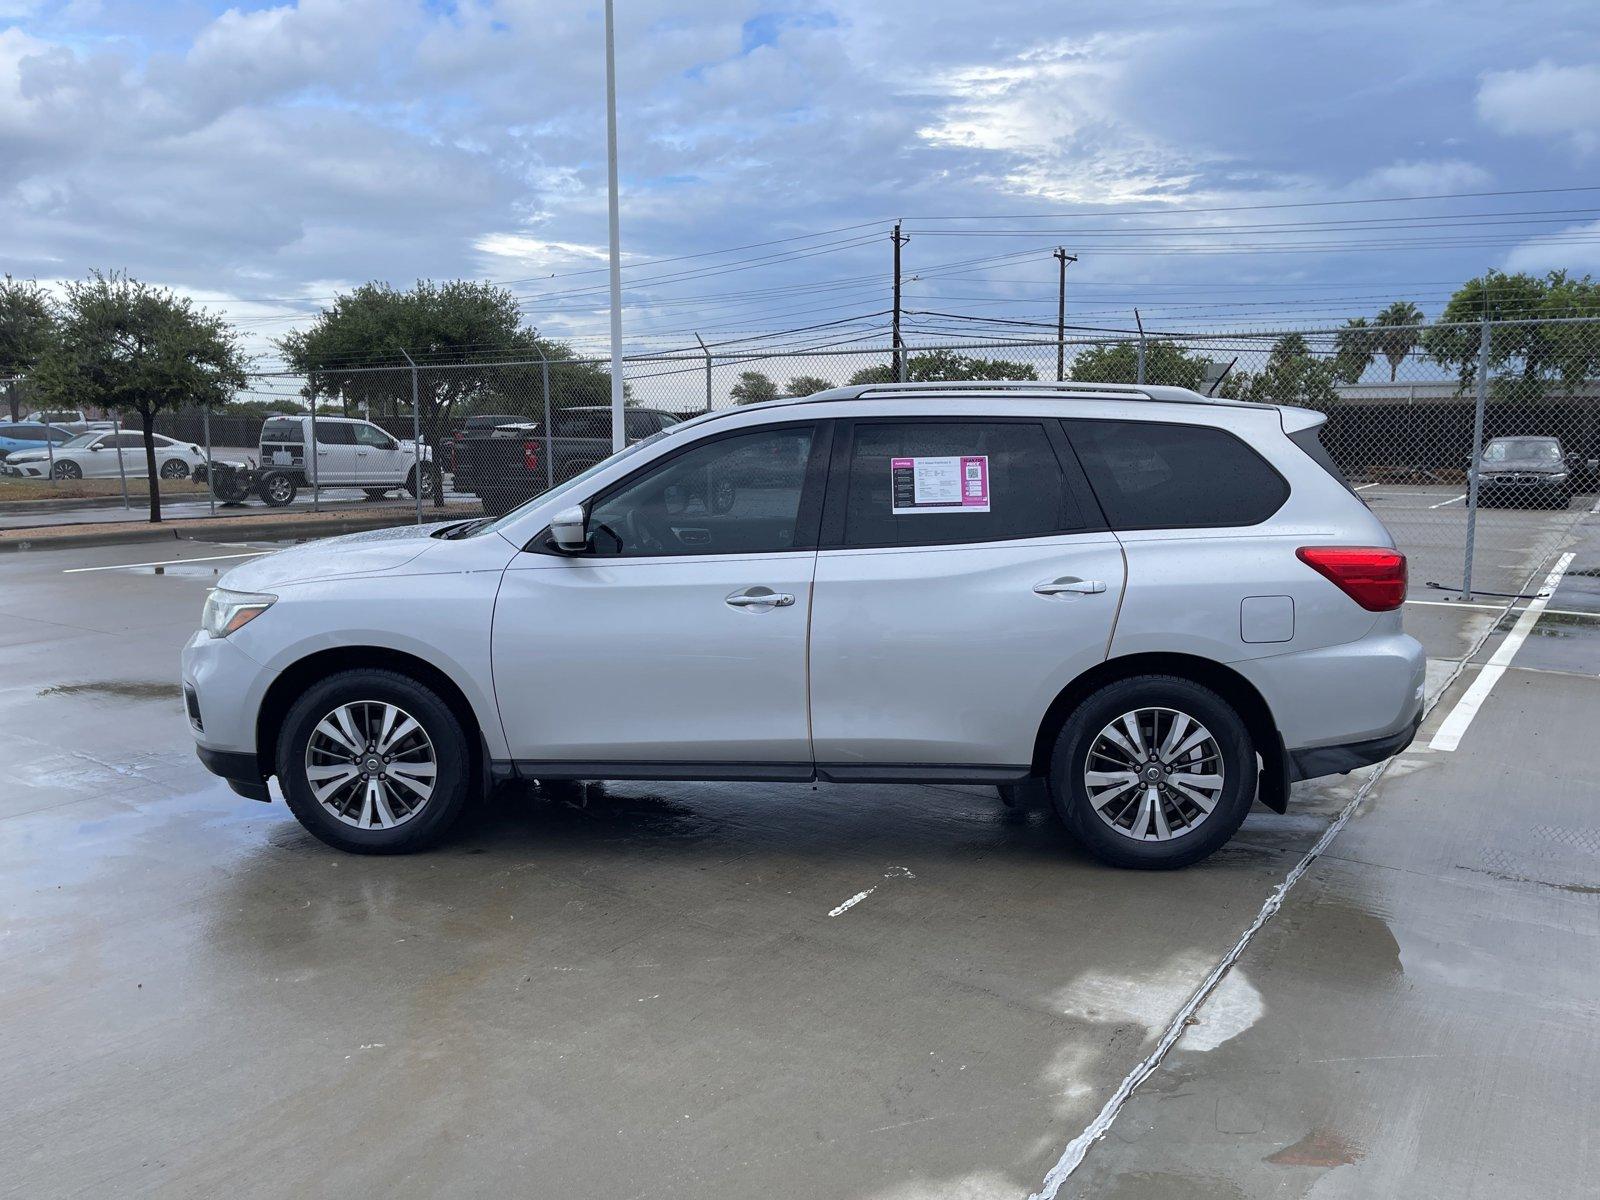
x,y
82,440
1542,450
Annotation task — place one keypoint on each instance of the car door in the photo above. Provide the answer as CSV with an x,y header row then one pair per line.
x,y
965,577
336,454
114,455
677,643
379,458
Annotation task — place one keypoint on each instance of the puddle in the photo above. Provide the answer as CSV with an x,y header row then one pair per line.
x,y
119,689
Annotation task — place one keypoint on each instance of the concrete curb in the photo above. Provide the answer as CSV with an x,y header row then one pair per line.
x,y
60,537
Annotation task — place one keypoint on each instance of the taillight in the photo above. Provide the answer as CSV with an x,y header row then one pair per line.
x,y
530,455
1372,576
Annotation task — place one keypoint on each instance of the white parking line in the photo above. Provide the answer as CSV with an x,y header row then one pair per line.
x,y
1450,733
1452,500
1361,487
171,562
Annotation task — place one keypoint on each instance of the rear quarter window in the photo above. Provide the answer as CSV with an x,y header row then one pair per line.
x,y
1310,440
1151,475
280,431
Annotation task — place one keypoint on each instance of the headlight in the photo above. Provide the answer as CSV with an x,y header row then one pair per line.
x,y
227,611
1558,477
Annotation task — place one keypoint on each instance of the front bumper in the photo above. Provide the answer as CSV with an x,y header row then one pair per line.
x,y
241,772
223,687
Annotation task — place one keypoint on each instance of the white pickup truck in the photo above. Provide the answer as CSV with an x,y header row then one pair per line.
x,y
348,453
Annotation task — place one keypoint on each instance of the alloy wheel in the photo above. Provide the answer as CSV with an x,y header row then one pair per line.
x,y
371,764
1154,774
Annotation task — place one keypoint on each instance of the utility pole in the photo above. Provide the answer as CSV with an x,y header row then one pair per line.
x,y
1062,257
618,438
899,348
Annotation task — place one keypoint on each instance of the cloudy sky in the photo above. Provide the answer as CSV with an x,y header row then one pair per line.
x,y
262,157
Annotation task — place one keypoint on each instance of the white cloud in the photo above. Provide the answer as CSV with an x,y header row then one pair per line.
x,y
1424,178
1538,255
1545,100
1050,116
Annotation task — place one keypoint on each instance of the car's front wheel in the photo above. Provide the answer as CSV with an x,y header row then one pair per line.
x,y
1153,772
374,762
65,468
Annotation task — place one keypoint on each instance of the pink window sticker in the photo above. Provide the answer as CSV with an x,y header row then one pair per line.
x,y
947,483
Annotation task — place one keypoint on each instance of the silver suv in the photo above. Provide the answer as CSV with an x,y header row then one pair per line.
x,y
1163,607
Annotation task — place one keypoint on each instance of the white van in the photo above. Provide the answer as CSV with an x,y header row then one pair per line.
x,y
349,453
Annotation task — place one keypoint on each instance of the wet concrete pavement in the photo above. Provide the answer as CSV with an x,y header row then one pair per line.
x,y
642,992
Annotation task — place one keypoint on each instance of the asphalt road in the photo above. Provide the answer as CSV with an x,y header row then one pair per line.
x,y
658,992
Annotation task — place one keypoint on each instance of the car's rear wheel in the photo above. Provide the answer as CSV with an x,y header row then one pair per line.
x,y
66,469
1153,772
174,468
374,762
278,489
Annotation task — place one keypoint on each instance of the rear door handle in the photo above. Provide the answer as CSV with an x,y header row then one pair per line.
x,y
759,597
1069,583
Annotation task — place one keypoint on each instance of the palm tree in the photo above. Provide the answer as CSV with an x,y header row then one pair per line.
x,y
1399,333
1354,349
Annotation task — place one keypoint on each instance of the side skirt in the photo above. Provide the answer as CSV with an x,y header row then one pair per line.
x,y
709,772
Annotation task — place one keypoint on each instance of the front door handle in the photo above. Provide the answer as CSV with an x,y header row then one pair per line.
x,y
1070,583
759,598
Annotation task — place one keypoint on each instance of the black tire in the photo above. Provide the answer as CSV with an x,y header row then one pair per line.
x,y
66,469
375,493
430,482
231,487
278,489
1084,726
174,468
452,755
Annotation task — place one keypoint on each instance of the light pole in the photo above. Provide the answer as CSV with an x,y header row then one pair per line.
x,y
617,438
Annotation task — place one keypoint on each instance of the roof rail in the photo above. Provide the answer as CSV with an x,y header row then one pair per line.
x,y
1085,388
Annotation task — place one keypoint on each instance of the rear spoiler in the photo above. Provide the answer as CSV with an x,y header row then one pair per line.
x,y
1297,419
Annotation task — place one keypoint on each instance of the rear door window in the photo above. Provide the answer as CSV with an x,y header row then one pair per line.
x,y
930,483
281,431
1150,475
335,433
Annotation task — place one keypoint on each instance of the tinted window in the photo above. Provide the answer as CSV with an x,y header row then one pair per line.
x,y
589,423
27,433
1154,476
922,465
641,424
735,495
60,435
126,441
1310,440
281,431
335,433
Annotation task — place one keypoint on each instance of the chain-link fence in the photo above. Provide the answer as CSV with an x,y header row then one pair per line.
x,y
1477,444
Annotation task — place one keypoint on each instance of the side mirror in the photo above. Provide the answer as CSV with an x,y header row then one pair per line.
x,y
96,447
568,528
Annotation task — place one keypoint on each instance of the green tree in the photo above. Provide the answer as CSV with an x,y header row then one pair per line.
x,y
27,327
752,388
1118,362
1398,333
805,385
1292,375
125,346
1525,355
459,324
946,366
1354,349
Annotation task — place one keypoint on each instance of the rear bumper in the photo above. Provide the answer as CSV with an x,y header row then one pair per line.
x,y
1316,761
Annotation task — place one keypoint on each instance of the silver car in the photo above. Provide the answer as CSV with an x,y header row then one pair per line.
x,y
1160,607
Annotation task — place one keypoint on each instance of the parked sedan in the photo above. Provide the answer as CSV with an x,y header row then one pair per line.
x,y
30,435
96,455
1526,472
